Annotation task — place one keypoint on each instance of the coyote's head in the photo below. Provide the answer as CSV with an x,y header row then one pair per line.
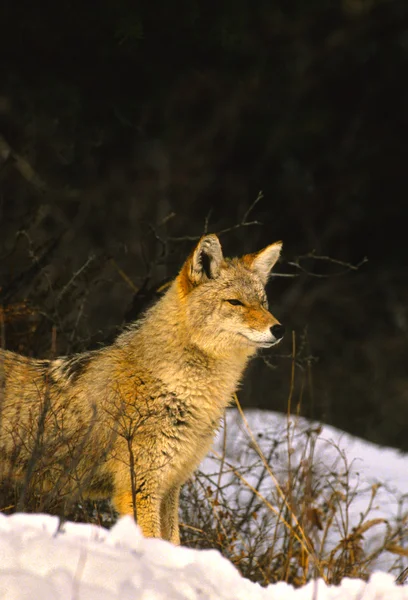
x,y
224,299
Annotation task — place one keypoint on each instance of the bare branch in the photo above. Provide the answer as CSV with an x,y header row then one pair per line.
x,y
80,271
311,255
242,223
22,165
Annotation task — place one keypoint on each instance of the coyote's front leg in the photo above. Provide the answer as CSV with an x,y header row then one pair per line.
x,y
169,517
147,510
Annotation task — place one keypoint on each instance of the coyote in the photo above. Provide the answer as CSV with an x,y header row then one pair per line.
x,y
133,420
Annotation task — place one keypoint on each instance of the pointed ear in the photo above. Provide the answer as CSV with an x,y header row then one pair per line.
x,y
203,263
262,262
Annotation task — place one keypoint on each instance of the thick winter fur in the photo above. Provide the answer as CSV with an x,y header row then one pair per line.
x,y
134,420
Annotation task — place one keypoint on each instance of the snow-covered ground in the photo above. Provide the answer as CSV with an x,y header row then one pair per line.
x,y
40,560
85,562
341,463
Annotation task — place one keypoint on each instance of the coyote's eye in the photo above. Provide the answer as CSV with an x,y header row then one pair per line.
x,y
235,302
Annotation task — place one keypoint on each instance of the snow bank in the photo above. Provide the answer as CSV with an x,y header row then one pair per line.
x,y
40,559
368,465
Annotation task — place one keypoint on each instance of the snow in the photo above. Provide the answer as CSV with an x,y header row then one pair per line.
x,y
42,558
338,457
38,559
371,463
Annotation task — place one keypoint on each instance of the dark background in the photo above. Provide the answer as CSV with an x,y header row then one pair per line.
x,y
129,128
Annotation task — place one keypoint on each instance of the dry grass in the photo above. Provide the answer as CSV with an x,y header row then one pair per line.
x,y
292,525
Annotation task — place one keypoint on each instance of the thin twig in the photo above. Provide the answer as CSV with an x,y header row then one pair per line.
x,y
75,276
224,448
311,255
243,223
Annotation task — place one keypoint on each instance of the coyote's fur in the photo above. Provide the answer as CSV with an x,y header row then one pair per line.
x,y
134,419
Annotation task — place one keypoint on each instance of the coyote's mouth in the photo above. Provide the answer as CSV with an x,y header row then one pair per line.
x,y
261,343
267,344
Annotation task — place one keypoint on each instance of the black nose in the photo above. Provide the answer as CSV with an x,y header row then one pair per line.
x,y
278,331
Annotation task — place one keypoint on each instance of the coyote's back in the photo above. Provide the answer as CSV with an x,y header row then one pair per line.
x,y
133,420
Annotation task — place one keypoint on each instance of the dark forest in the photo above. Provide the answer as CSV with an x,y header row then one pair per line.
x,y
127,129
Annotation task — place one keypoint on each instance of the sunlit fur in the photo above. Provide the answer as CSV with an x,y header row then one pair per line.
x,y
153,399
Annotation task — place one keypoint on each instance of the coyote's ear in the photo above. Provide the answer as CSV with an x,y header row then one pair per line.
x,y
203,264
262,262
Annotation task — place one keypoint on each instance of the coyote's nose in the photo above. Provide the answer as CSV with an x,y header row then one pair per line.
x,y
278,331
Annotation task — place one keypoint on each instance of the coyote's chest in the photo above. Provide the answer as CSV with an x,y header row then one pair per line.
x,y
191,427
184,405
